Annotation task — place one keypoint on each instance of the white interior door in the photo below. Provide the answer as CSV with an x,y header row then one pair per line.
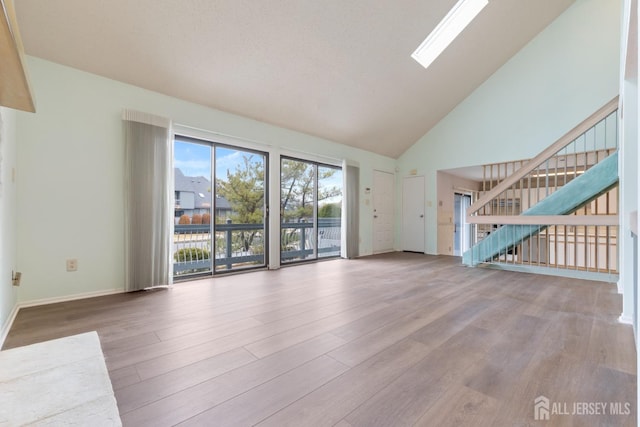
x,y
413,214
383,211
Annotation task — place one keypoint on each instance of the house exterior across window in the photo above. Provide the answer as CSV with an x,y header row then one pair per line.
x,y
193,197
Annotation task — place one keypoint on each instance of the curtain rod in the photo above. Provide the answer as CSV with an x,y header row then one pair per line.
x,y
224,135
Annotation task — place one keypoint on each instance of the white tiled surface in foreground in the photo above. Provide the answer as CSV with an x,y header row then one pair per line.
x,y
59,382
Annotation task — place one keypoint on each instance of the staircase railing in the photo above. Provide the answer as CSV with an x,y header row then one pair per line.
x,y
584,239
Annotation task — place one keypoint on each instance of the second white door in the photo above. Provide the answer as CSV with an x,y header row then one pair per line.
x,y
413,214
383,211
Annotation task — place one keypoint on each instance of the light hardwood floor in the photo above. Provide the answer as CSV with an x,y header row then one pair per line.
x,y
389,340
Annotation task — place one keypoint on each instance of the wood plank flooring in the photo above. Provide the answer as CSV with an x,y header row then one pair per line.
x,y
389,340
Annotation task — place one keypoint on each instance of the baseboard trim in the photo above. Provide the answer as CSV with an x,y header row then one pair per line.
x,y
7,325
4,332
84,295
560,272
625,320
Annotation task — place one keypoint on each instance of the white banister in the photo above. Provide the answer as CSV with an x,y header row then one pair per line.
x,y
547,153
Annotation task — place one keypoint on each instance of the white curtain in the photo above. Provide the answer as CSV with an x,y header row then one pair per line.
x,y
148,201
350,211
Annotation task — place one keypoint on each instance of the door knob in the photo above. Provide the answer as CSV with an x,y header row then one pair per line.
x,y
421,216
375,216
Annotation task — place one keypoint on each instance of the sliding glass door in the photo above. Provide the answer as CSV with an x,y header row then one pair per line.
x,y
310,210
192,163
329,211
220,208
240,206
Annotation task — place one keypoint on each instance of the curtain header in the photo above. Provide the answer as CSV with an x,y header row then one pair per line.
x,y
146,118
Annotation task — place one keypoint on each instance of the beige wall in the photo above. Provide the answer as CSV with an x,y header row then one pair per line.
x,y
448,185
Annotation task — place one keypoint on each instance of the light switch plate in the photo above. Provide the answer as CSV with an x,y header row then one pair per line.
x,y
72,264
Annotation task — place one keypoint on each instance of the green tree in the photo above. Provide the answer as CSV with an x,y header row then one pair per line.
x,y
330,210
297,188
244,190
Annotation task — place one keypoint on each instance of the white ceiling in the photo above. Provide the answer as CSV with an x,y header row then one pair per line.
x,y
336,69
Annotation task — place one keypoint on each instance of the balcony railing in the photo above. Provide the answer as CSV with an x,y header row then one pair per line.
x,y
298,241
580,233
240,246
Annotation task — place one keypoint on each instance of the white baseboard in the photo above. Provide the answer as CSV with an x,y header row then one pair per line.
x,y
33,303
626,320
44,301
4,331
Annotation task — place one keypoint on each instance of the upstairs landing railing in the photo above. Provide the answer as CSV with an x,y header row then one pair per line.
x,y
584,240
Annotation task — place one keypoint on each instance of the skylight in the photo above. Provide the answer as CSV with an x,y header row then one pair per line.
x,y
447,30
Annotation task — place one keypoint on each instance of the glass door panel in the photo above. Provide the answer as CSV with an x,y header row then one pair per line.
x,y
329,211
192,209
240,201
310,210
297,210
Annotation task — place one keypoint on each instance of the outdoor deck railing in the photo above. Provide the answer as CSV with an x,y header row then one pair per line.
x,y
242,245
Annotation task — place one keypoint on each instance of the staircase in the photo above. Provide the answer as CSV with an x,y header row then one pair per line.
x,y
547,213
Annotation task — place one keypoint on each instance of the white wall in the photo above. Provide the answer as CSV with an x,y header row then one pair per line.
x,y
8,293
629,169
70,161
558,79
628,158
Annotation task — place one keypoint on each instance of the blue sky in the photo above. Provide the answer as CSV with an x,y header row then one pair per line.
x,y
192,159
195,160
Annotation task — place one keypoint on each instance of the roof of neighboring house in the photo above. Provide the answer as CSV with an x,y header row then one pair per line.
x,y
201,186
222,203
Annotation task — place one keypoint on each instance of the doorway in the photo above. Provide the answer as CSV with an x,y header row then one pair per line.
x,y
310,210
462,238
383,211
220,208
413,214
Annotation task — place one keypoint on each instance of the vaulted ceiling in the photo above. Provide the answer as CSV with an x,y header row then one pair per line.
x,y
336,69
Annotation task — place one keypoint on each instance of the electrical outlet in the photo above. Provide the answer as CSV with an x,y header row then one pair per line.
x,y
72,264
15,278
